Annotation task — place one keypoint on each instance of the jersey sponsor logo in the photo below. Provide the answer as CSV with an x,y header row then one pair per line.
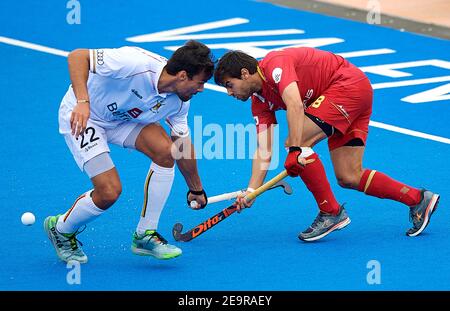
x,y
124,115
112,107
121,115
276,74
135,92
100,60
155,108
135,112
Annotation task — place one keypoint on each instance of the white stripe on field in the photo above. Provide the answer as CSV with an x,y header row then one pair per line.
x,y
224,35
189,29
221,89
385,85
397,129
33,46
366,53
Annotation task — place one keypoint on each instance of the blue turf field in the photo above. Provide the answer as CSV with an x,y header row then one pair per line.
x,y
258,249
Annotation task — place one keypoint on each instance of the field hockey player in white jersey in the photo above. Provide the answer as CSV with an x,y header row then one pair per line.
x,y
119,96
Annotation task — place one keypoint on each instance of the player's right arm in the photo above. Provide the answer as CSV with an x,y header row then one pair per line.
x,y
260,165
117,63
79,72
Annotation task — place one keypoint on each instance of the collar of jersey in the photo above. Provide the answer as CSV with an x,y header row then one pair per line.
x,y
155,83
260,94
261,74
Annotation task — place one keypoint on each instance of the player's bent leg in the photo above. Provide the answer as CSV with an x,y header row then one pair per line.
x,y
62,230
107,188
422,203
313,175
151,243
156,191
154,142
314,130
347,164
332,216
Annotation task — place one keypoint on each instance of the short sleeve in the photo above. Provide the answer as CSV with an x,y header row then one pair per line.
x,y
178,122
118,63
280,71
263,116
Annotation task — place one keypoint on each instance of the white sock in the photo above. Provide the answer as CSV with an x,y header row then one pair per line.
x,y
82,212
156,191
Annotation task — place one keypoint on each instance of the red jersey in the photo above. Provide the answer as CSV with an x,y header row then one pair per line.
x,y
313,70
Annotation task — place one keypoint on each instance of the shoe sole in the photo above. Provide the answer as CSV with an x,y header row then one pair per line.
x,y
141,252
432,206
338,226
50,237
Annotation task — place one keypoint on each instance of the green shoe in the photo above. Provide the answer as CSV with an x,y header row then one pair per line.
x,y
66,245
151,243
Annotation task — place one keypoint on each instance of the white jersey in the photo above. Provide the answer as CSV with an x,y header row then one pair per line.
x,y
123,87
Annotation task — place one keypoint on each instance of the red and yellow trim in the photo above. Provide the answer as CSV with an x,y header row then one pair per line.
x,y
261,74
75,203
369,180
146,185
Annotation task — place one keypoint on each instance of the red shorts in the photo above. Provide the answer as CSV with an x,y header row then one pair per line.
x,y
346,105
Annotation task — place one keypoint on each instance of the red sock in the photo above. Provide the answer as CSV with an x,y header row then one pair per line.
x,y
315,179
382,186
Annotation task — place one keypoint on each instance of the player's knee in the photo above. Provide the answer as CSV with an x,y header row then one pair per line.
x,y
109,193
350,181
164,157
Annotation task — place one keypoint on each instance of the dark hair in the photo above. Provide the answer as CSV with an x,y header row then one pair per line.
x,y
194,57
231,63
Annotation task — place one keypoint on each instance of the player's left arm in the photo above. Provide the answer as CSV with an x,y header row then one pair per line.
x,y
296,118
184,155
295,114
282,74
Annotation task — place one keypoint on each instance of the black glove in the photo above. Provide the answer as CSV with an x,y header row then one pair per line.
x,y
197,193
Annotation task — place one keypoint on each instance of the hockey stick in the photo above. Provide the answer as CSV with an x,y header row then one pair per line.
x,y
231,195
214,220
